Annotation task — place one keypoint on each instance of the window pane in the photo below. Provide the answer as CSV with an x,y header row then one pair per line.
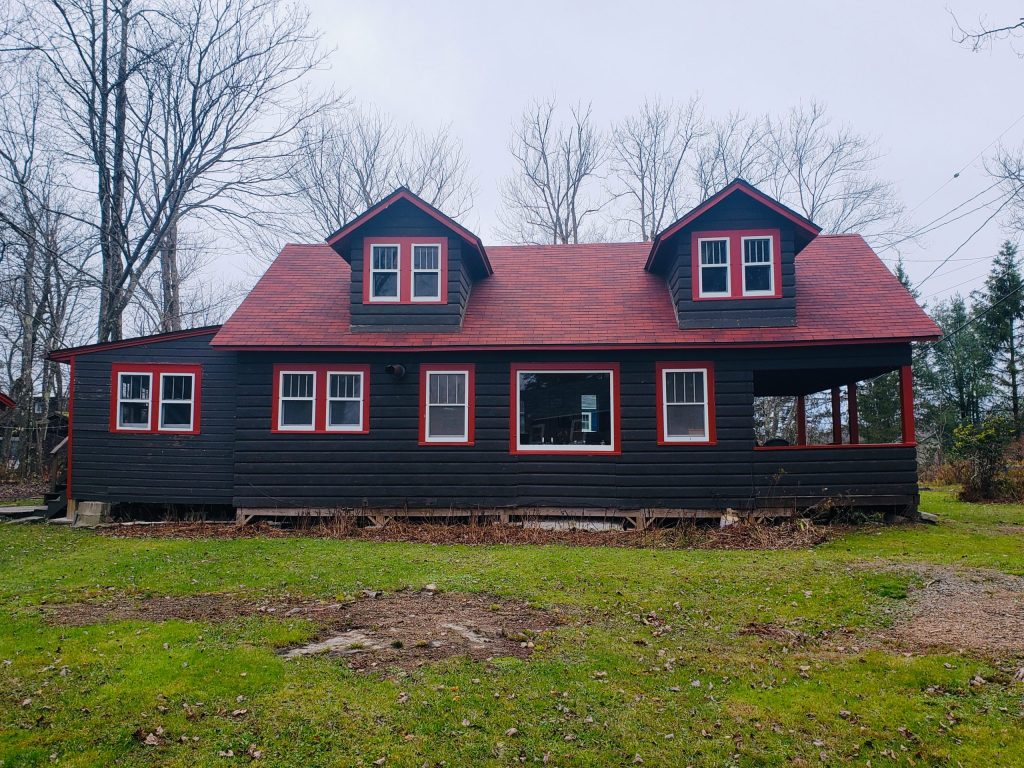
x,y
344,413
552,407
684,387
446,389
297,385
134,414
134,386
685,421
296,413
425,284
757,250
176,415
714,252
758,278
714,280
385,284
345,385
385,257
177,388
426,257
446,421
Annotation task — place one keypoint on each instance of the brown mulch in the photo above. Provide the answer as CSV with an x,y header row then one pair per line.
x,y
402,629
744,535
23,489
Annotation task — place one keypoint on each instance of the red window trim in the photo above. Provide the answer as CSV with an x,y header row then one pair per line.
x,y
513,435
154,370
470,370
735,238
709,374
320,402
405,245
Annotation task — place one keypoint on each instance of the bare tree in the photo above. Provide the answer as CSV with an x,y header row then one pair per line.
x,y
1007,167
736,146
985,34
828,173
650,153
549,197
347,159
177,109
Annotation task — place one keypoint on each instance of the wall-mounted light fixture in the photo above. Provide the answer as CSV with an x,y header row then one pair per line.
x,y
398,371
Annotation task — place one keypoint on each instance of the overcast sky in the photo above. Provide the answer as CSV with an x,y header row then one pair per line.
x,y
889,69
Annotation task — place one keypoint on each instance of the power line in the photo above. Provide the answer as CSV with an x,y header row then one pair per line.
x,y
979,316
970,237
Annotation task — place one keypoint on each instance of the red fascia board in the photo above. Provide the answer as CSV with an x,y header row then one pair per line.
x,y
320,403
6,401
470,369
513,411
427,208
659,386
737,186
155,370
64,355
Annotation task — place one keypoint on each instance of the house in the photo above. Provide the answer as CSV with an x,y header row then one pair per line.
x,y
6,404
403,368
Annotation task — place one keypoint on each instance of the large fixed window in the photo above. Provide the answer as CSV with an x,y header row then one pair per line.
x,y
160,397
321,398
405,270
736,264
686,403
565,408
446,404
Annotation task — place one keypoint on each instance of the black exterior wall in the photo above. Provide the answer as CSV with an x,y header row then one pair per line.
x,y
237,460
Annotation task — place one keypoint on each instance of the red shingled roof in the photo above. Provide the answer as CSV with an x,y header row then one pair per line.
x,y
575,296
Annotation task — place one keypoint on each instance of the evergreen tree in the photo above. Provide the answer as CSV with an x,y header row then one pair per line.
x,y
1001,306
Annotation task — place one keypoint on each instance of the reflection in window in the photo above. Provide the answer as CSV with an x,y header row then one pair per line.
x,y
133,400
176,401
565,410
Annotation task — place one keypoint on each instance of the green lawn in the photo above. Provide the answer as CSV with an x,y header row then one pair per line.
x,y
77,695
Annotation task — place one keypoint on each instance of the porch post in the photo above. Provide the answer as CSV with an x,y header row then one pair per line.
x,y
907,404
851,404
801,420
837,418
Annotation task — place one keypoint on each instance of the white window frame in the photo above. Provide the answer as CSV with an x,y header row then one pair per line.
x,y
770,264
701,267
121,427
548,448
328,400
413,271
191,404
281,398
464,437
587,421
666,437
397,272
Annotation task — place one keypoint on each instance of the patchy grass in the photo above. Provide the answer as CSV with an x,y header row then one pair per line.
x,y
35,502
659,663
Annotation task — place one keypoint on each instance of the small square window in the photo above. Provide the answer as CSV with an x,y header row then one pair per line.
x,y
133,401
296,400
345,401
176,402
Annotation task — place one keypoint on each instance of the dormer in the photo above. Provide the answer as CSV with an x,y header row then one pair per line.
x,y
412,267
730,262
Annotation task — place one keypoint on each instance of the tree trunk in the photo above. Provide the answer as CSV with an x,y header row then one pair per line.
x,y
170,284
1012,370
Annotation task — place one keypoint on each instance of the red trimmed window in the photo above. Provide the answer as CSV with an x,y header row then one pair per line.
x,y
150,398
321,399
736,264
447,404
405,270
564,408
686,403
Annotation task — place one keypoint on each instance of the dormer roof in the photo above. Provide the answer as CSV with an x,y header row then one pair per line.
x,y
738,186
476,246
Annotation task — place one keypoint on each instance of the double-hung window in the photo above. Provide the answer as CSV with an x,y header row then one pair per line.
x,y
758,270
446,404
345,401
686,403
426,272
565,408
160,397
297,401
714,266
385,273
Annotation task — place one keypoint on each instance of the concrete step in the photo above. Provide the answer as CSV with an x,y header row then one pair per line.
x,y
26,520
14,512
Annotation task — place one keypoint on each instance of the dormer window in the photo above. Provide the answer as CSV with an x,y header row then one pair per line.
x,y
405,270
385,275
426,272
714,266
736,264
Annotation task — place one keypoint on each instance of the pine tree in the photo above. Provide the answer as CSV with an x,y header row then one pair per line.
x,y
1001,305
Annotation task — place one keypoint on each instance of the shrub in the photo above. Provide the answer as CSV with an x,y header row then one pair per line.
x,y
983,450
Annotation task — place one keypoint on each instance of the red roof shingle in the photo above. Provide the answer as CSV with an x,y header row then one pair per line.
x,y
575,296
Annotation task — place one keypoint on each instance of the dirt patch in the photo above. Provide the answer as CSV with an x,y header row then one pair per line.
x,y
27,489
752,535
973,610
404,629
